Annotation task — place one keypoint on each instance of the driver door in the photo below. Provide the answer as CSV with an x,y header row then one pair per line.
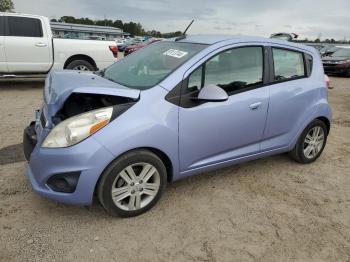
x,y
214,132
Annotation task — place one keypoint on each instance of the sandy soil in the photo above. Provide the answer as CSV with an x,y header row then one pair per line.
x,y
266,210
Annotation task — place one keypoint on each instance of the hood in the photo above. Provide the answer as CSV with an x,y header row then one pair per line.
x,y
59,85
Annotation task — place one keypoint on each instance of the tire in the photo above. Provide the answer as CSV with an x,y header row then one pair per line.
x,y
82,65
126,192
348,73
301,152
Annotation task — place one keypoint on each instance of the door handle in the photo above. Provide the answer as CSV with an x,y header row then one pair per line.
x,y
40,44
255,106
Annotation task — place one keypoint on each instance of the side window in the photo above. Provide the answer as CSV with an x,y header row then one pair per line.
x,y
195,80
287,64
24,26
2,26
309,63
232,70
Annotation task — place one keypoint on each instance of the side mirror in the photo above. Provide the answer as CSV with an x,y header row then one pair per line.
x,y
212,93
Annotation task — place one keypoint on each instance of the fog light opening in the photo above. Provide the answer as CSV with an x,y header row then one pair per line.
x,y
64,182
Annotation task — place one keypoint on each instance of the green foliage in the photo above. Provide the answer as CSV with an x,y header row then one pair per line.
x,y
130,27
6,6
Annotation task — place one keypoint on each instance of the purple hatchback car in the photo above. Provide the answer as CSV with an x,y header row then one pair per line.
x,y
170,110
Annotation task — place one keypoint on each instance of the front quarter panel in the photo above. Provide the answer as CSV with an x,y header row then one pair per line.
x,y
151,123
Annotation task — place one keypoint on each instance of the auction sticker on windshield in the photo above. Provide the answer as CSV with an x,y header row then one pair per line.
x,y
175,53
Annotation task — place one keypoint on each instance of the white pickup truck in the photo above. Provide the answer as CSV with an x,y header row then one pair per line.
x,y
27,48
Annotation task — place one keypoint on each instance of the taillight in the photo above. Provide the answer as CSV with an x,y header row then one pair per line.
x,y
114,50
328,81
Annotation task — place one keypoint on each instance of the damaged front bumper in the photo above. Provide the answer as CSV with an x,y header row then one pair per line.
x,y
68,175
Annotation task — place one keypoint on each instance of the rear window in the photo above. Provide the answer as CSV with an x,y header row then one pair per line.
x,y
288,64
24,26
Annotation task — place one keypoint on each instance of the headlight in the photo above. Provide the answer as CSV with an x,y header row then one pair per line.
x,y
75,129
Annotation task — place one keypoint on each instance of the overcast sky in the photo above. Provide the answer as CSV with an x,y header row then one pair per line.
x,y
308,18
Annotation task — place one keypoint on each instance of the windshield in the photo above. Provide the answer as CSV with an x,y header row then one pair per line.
x,y
150,65
341,52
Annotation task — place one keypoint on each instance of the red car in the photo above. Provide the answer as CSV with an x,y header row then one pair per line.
x,y
337,62
133,48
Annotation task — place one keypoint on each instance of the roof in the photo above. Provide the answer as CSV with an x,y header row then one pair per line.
x,y
212,39
231,39
85,28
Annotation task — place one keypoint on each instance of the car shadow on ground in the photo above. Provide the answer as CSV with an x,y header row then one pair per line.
x,y
19,84
11,154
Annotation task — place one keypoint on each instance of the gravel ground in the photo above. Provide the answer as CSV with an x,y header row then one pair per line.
x,y
271,209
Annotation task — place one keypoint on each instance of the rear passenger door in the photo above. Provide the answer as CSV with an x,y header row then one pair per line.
x,y
214,132
3,65
291,94
26,45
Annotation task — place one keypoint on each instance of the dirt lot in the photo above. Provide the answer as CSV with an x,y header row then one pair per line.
x,y
267,210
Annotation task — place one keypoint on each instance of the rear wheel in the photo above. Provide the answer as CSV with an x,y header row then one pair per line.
x,y
311,143
81,65
132,184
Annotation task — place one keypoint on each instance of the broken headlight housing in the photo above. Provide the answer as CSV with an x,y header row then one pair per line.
x,y
77,128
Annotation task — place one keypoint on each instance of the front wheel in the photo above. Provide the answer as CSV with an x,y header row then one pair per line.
x,y
311,143
132,184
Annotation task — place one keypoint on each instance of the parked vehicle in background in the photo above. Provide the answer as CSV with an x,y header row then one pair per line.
x,y
129,42
71,35
171,110
327,50
120,41
27,48
337,61
132,48
285,36
318,46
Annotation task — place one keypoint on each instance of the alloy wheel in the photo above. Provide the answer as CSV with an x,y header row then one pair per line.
x,y
135,186
81,68
313,142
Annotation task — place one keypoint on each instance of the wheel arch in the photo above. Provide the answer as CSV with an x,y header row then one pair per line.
x,y
80,57
326,121
159,153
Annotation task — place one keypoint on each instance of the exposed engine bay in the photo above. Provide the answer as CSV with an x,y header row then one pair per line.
x,y
79,103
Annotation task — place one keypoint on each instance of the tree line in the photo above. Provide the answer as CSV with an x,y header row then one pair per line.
x,y
135,28
130,27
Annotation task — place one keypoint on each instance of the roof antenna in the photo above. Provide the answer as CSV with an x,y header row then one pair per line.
x,y
183,36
